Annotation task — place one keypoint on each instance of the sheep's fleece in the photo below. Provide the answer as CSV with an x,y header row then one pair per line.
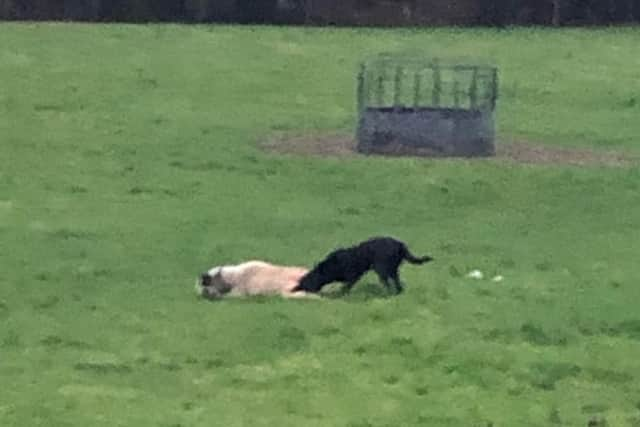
x,y
251,278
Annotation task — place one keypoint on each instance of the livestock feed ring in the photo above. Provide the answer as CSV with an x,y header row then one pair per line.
x,y
431,107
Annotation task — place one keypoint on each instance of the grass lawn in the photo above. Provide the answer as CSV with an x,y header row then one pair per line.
x,y
129,163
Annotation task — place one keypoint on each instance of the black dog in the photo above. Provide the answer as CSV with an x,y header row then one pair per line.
x,y
381,254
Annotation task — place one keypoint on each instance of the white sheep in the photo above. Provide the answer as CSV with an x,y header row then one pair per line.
x,y
252,278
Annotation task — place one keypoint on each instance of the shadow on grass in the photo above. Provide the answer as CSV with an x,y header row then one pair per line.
x,y
628,328
360,292
56,342
4,310
45,303
103,368
71,234
536,335
545,375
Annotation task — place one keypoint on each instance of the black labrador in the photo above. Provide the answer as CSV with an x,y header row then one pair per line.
x,y
347,265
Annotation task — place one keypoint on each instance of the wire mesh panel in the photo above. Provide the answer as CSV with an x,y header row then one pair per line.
x,y
426,106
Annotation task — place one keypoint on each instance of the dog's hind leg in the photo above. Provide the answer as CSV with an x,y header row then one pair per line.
x,y
393,274
386,272
384,278
398,284
385,281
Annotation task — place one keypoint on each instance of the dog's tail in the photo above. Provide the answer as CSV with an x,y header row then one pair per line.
x,y
414,259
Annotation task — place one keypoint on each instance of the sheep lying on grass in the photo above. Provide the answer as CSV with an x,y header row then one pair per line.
x,y
252,278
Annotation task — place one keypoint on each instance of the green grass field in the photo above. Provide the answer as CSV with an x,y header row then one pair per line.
x,y
129,163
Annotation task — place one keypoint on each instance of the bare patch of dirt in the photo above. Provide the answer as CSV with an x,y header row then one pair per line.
x,y
341,145
312,145
525,152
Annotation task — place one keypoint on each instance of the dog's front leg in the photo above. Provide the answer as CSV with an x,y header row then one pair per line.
x,y
347,287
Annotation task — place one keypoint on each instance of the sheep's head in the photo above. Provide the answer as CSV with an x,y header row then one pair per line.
x,y
212,284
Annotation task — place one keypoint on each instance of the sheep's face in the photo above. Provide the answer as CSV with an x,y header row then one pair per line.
x,y
211,284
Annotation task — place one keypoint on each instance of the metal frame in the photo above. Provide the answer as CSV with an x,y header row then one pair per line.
x,y
433,83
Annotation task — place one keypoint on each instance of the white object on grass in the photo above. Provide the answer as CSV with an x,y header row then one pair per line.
x,y
475,274
498,278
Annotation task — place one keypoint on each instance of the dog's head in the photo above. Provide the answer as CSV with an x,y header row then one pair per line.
x,y
310,282
322,274
211,284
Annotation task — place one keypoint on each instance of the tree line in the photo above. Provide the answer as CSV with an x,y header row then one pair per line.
x,y
325,12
